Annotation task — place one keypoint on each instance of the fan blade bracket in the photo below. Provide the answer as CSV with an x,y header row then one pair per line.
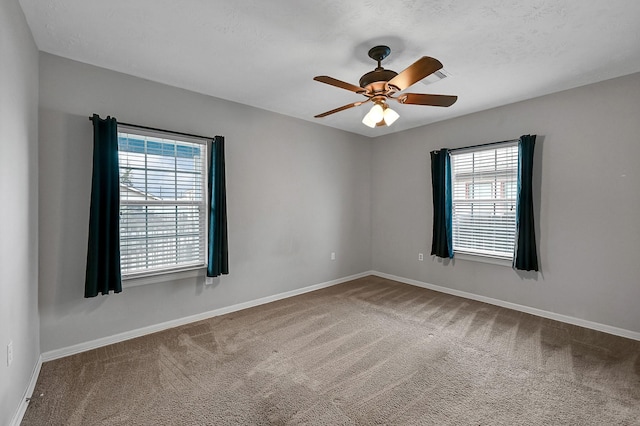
x,y
391,89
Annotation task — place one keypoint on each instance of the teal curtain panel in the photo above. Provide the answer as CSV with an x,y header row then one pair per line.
x,y
525,256
218,261
103,253
442,242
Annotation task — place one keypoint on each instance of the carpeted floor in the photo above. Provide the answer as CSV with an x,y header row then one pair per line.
x,y
370,351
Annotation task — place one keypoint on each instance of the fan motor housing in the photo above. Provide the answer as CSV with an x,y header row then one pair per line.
x,y
377,75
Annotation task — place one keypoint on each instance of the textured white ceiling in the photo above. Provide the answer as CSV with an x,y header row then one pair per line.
x,y
266,53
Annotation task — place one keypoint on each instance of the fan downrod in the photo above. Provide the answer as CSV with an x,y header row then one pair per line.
x,y
374,81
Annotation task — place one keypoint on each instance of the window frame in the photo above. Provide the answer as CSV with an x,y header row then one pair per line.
x,y
192,269
479,256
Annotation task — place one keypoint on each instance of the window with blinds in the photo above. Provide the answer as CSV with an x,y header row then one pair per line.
x,y
162,201
484,185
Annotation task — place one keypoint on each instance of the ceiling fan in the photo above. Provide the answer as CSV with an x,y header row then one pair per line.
x,y
381,85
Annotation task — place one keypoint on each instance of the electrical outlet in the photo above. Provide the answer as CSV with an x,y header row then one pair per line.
x,y
333,255
420,257
9,353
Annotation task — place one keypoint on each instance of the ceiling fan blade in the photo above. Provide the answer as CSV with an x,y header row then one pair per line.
x,y
423,99
342,108
339,83
415,72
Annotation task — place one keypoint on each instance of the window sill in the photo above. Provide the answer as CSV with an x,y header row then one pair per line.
x,y
199,271
483,259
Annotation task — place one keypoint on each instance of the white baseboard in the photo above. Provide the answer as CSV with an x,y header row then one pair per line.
x,y
116,338
22,408
527,309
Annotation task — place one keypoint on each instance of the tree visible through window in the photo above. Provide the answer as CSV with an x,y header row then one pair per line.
x,y
484,185
162,202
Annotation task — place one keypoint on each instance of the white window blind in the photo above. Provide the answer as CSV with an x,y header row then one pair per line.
x,y
484,185
162,201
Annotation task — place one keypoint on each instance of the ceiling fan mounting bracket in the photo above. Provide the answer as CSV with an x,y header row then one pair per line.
x,y
378,53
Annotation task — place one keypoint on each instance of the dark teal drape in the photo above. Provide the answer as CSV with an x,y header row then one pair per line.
x,y
103,252
524,256
218,262
442,243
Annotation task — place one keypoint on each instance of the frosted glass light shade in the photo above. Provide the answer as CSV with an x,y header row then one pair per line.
x,y
376,113
390,116
367,121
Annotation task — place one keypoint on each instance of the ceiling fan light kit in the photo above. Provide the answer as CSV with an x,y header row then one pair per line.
x,y
381,84
380,115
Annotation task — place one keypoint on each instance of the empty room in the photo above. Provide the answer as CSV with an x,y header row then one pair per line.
x,y
321,213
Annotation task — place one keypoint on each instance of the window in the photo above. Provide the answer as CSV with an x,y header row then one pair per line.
x,y
162,201
484,186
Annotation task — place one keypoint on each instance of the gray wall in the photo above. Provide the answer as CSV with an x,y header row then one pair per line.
x,y
19,212
587,169
296,192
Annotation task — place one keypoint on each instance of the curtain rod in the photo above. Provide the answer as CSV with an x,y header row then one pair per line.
x,y
482,144
162,130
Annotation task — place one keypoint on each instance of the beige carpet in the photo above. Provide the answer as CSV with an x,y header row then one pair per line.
x,y
371,351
